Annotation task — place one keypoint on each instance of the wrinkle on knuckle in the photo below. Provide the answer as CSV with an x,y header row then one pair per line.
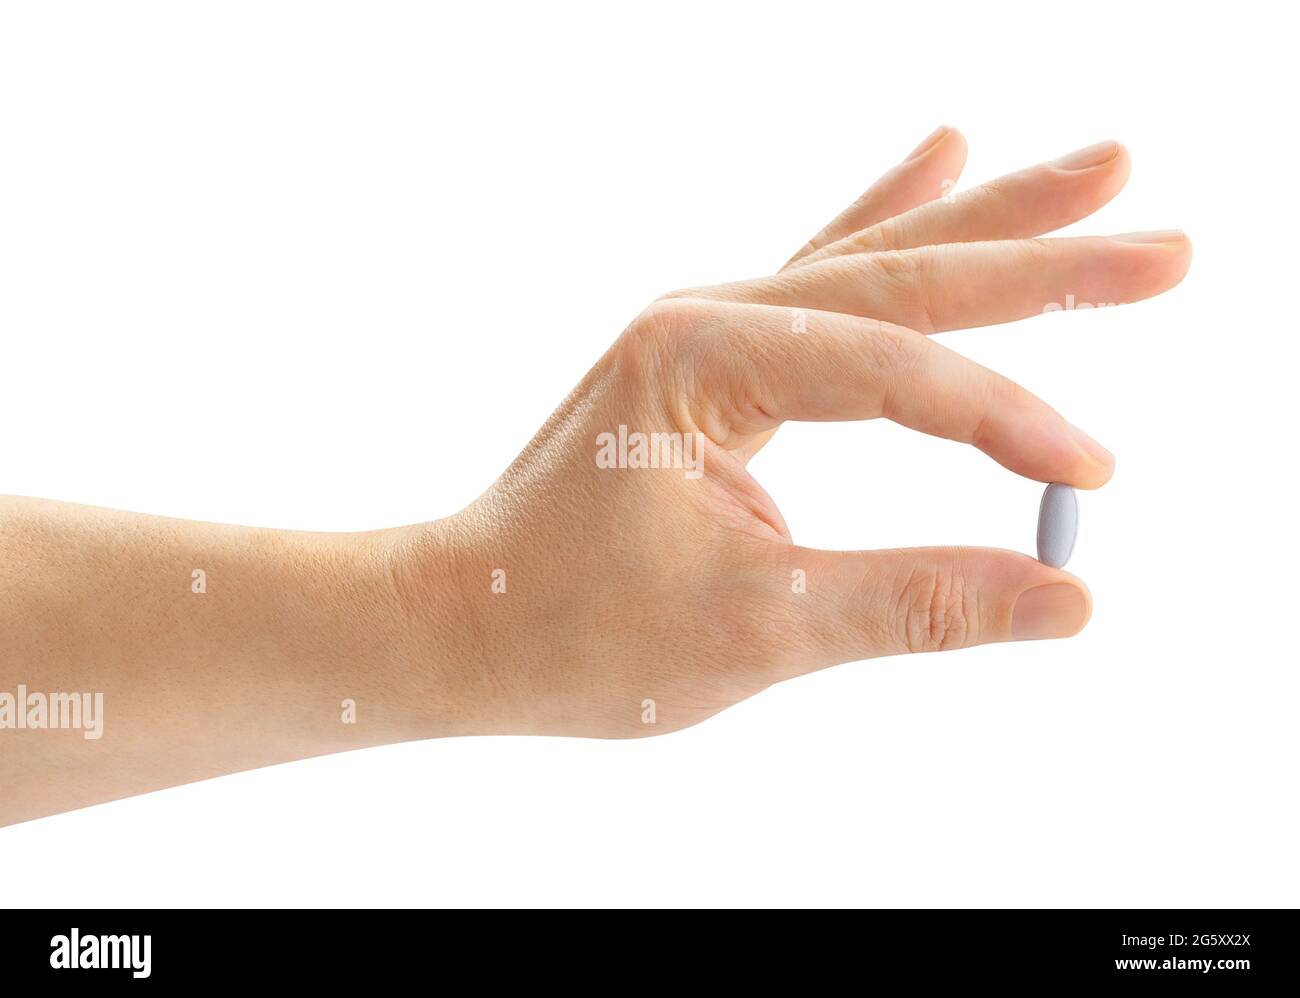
x,y
892,356
666,324
653,343
937,610
906,276
1043,250
872,239
888,234
993,194
896,266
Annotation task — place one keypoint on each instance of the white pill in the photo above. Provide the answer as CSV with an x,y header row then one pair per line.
x,y
1058,525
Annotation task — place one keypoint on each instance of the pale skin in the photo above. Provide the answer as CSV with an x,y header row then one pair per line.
x,y
622,586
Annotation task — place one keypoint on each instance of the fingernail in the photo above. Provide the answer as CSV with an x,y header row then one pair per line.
x,y
1087,157
1093,449
1052,611
931,140
1155,236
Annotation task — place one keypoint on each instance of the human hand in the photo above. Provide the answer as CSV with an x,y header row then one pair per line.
x,y
584,594
632,593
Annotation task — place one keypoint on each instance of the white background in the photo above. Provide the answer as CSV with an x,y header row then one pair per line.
x,y
329,266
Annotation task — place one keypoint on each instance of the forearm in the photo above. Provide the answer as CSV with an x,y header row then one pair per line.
x,y
211,648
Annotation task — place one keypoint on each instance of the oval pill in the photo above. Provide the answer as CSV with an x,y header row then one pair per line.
x,y
1058,524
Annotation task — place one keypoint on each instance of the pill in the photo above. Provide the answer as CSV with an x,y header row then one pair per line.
x,y
1058,524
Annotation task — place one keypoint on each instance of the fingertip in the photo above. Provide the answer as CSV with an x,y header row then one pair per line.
x,y
1184,249
1174,238
1119,168
1051,451
1152,262
1027,599
1108,177
1123,157
1059,609
932,141
1087,602
1093,157
1101,462
1072,187
958,148
1091,474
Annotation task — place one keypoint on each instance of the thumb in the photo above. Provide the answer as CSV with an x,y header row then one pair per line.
x,y
864,604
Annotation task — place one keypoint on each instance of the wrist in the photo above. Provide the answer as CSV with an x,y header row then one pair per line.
x,y
418,606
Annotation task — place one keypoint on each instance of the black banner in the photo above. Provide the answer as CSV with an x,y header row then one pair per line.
x,y
1223,950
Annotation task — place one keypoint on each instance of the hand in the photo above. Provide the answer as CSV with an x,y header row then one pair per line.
x,y
584,594
623,601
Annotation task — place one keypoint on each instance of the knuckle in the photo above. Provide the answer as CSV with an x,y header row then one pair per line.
x,y
892,354
673,313
904,276
660,355
898,266
876,238
1042,250
892,348
679,295
992,194
887,235
662,327
937,611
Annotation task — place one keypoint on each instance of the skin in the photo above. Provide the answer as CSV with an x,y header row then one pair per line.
x,y
623,586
